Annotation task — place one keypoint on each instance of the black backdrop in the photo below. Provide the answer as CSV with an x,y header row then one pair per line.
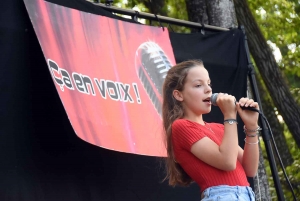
x,y
35,166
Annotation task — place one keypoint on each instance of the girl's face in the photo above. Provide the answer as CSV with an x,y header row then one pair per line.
x,y
196,93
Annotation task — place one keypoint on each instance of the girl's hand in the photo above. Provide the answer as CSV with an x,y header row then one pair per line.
x,y
227,105
249,117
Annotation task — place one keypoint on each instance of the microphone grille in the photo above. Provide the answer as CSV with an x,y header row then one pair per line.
x,y
213,99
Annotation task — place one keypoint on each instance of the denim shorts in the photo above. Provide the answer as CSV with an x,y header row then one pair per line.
x,y
228,193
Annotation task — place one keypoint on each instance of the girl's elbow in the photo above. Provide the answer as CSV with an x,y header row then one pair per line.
x,y
251,173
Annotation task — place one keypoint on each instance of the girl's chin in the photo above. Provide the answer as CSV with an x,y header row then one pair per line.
x,y
205,111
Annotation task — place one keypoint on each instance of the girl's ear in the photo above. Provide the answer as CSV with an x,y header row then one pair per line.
x,y
178,95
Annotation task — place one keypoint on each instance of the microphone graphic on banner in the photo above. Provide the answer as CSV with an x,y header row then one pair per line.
x,y
152,65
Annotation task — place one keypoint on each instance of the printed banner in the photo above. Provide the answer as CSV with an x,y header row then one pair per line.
x,y
108,74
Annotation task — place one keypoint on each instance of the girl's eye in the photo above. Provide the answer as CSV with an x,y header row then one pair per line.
x,y
210,85
198,85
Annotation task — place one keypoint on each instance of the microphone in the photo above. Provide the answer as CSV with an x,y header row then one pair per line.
x,y
213,100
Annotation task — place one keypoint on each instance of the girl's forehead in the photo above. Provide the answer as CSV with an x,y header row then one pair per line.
x,y
198,73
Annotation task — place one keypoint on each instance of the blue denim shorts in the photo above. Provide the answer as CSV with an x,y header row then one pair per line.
x,y
228,193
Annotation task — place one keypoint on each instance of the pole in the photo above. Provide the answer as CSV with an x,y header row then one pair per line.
x,y
162,19
265,131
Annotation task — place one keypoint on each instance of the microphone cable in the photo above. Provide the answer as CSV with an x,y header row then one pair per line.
x,y
277,152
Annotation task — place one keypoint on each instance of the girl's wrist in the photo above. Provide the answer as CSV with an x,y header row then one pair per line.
x,y
253,132
230,116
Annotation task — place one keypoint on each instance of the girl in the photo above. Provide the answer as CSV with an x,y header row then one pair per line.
x,y
207,153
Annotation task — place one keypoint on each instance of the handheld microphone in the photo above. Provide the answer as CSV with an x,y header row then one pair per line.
x,y
213,100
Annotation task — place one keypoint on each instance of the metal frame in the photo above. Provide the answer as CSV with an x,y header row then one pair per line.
x,y
251,75
162,19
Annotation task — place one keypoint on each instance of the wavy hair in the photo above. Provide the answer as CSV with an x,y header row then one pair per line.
x,y
172,110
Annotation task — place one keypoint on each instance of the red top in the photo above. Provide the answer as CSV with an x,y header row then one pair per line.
x,y
184,134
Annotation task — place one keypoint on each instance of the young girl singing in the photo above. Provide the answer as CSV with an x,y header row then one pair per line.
x,y
207,153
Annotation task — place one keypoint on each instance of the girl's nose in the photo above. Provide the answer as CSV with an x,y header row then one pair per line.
x,y
208,89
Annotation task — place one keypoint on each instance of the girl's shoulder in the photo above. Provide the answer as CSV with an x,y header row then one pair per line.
x,y
183,122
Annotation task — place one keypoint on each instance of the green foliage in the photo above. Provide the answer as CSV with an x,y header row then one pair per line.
x,y
279,22
170,8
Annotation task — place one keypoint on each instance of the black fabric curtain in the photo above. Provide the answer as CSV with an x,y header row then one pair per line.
x,y
35,166
224,57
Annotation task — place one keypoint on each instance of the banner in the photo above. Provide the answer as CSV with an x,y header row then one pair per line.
x,y
108,74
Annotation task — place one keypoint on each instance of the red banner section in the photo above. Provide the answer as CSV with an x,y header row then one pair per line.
x,y
108,73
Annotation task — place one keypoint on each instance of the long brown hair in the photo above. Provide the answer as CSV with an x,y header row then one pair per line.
x,y
172,110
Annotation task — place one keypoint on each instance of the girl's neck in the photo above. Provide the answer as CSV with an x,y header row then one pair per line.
x,y
197,119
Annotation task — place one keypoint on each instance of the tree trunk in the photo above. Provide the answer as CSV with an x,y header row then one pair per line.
x,y
222,13
261,185
197,11
269,70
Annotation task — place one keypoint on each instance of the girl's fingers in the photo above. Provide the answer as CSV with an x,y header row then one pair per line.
x,y
254,104
248,103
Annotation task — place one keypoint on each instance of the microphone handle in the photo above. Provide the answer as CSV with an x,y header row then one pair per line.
x,y
249,108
